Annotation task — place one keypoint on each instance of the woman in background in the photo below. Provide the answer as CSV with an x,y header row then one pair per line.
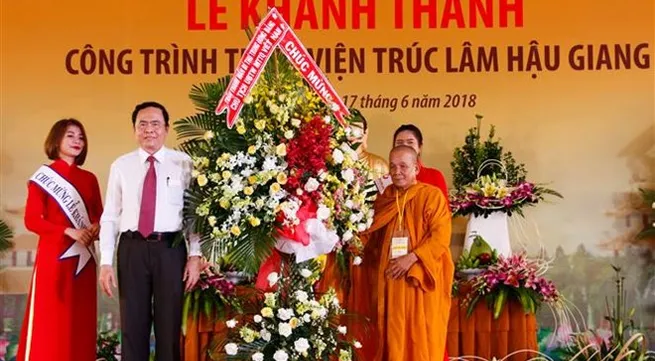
x,y
410,135
63,208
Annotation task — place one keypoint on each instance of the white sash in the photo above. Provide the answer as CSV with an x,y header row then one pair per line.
x,y
72,204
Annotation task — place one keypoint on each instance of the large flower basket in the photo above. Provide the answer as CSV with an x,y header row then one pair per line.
x,y
493,224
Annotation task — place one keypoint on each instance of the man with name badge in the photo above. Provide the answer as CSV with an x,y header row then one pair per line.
x,y
405,279
143,209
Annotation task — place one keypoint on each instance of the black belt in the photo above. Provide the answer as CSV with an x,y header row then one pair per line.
x,y
154,236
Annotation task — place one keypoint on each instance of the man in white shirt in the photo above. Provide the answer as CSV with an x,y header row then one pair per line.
x,y
143,210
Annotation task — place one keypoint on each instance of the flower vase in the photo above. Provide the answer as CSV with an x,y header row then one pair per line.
x,y
494,229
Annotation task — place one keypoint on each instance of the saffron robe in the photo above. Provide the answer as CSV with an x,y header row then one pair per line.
x,y
409,316
61,314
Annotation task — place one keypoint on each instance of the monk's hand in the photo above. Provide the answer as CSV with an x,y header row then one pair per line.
x,y
399,267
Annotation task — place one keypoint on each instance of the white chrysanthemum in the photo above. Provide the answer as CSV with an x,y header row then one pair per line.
x,y
337,156
257,319
284,329
305,273
258,356
348,175
347,236
357,344
301,345
284,314
272,278
231,349
231,323
357,260
311,185
302,296
265,335
323,213
342,330
280,355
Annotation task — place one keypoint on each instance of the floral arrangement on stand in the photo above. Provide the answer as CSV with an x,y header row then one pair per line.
x,y
511,277
487,179
292,323
286,177
497,278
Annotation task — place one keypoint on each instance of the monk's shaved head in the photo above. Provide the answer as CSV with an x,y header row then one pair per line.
x,y
404,149
403,166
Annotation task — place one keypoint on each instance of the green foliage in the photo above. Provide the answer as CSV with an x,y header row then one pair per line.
x,y
6,236
108,346
469,158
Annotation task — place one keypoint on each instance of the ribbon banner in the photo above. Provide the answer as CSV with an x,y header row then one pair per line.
x,y
272,32
71,203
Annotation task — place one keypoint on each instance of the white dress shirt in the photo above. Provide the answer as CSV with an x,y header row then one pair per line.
x,y
123,199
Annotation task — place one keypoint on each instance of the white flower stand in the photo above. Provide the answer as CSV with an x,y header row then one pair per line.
x,y
494,229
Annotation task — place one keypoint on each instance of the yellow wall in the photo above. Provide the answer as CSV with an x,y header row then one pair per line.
x,y
590,133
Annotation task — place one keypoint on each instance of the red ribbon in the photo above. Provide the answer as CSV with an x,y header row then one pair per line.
x,y
274,31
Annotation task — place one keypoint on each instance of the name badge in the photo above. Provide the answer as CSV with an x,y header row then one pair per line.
x,y
399,246
382,183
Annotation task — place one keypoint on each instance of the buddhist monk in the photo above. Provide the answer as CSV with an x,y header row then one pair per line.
x,y
404,282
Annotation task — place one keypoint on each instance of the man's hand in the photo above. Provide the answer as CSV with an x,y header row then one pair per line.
x,y
399,267
107,280
80,235
191,272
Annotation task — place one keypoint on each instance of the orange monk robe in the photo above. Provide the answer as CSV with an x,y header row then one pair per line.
x,y
410,315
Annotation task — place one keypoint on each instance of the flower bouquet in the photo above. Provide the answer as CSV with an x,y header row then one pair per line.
x,y
292,323
488,180
515,276
286,177
489,193
213,294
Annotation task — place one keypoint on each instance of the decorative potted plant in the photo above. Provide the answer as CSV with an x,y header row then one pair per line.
x,y
490,186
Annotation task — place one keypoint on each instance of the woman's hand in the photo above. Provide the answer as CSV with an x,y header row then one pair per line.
x,y
95,231
84,236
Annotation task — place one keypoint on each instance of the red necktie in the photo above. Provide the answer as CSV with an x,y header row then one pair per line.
x,y
148,200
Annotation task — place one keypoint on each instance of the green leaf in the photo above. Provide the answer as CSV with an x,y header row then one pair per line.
x,y
185,311
252,249
195,125
6,236
205,96
471,306
208,307
499,302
